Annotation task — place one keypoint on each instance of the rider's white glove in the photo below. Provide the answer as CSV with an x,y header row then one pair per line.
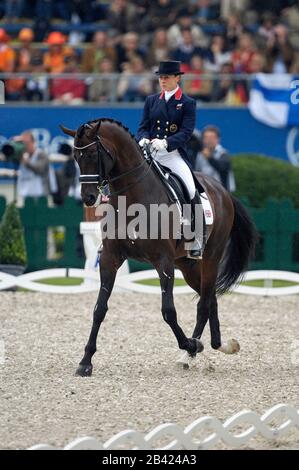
x,y
143,142
159,144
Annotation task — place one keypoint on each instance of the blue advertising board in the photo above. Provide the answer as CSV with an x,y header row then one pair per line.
x,y
241,133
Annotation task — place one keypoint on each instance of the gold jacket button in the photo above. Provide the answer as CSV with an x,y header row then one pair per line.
x,y
157,135
167,122
158,128
165,136
158,122
166,130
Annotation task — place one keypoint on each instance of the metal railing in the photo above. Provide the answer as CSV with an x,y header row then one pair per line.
x,y
121,87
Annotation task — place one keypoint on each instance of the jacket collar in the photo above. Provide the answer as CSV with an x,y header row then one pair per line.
x,y
177,95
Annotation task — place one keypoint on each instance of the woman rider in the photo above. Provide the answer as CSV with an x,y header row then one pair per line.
x,y
167,124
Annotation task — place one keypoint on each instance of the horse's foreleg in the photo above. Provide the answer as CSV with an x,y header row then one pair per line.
x,y
166,275
108,273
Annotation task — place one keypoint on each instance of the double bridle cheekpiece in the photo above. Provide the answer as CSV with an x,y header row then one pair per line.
x,y
102,179
99,178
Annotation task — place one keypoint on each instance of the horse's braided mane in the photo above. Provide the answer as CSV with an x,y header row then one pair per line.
x,y
118,123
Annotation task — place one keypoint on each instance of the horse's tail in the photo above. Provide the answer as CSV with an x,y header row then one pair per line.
x,y
239,251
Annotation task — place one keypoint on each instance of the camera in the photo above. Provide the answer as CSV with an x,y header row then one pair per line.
x,y
13,150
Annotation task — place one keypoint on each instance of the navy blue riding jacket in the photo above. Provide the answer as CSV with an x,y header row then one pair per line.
x,y
173,120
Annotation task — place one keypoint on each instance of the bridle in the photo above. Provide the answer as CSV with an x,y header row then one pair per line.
x,y
102,179
99,178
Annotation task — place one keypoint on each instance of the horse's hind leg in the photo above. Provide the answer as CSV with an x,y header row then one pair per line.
x,y
192,275
166,274
229,347
108,272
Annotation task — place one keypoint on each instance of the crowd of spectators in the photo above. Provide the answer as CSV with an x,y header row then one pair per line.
x,y
219,42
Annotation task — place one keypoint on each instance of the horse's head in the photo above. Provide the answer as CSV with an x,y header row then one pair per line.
x,y
94,158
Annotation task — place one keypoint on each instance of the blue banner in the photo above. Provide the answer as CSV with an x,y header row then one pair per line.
x,y
241,133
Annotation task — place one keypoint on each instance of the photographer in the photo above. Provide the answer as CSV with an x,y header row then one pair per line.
x,y
33,174
67,177
213,160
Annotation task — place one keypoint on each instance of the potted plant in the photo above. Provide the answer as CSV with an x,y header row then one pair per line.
x,y
13,255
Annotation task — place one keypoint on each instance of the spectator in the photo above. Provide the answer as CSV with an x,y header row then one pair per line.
x,y
267,28
214,160
186,50
183,21
41,28
7,54
71,90
234,29
162,14
121,17
242,56
133,85
93,55
230,6
229,90
36,87
291,19
197,87
33,175
159,50
257,63
13,9
206,10
280,52
83,9
24,53
128,50
7,63
103,89
54,58
66,175
15,87
217,54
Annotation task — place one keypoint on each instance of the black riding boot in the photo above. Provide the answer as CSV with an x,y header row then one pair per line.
x,y
198,245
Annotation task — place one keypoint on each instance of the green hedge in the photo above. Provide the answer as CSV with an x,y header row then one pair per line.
x,y
259,178
12,241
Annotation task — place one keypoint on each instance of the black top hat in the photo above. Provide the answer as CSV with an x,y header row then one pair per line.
x,y
169,67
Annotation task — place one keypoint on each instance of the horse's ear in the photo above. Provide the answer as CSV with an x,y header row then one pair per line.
x,y
67,131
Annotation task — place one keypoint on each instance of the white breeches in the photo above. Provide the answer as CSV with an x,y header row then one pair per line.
x,y
175,162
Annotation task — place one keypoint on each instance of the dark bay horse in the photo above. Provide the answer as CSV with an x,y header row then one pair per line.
x,y
107,153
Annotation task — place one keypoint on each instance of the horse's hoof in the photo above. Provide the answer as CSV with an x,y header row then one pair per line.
x,y
231,347
199,347
84,370
185,361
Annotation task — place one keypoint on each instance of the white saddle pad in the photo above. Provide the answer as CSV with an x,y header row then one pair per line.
x,y
207,209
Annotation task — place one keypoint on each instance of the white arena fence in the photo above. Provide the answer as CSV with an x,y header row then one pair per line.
x,y
180,438
130,282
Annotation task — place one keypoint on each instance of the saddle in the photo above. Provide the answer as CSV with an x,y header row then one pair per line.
x,y
174,184
179,194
